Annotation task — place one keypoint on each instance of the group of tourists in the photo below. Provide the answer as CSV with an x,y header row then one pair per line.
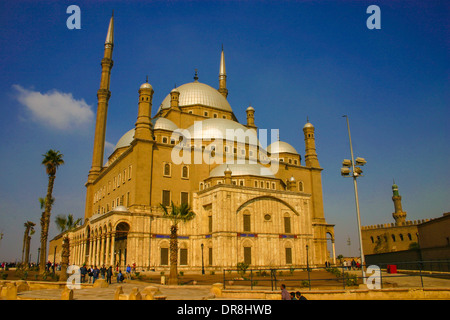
x,y
93,274
285,295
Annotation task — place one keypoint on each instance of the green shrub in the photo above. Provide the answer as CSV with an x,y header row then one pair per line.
x,y
242,267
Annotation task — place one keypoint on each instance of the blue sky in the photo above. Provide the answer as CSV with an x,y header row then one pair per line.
x,y
289,59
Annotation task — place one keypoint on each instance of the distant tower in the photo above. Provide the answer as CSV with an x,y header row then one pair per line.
x,y
175,98
292,184
143,122
399,215
223,76
250,118
310,146
227,173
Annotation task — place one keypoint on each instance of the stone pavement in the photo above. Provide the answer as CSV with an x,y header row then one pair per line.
x,y
198,292
202,292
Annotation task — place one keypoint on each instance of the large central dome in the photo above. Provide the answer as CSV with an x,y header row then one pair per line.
x,y
196,93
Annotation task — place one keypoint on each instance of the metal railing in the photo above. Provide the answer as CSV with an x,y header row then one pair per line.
x,y
336,277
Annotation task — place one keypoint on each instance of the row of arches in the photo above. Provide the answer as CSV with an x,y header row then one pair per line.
x,y
103,245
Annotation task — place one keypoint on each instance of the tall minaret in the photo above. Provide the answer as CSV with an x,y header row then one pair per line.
x,y
399,215
223,76
103,95
310,146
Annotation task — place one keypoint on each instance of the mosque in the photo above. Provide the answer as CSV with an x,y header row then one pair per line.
x,y
261,206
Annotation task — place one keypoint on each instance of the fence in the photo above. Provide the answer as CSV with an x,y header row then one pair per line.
x,y
337,277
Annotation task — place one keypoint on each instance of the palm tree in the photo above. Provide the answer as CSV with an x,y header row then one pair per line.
x,y
64,224
29,230
52,160
176,214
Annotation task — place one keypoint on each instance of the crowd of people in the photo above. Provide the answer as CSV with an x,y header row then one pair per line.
x,y
91,274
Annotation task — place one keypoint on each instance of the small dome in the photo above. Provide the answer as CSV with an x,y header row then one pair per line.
x,y
175,90
158,123
250,108
251,169
164,124
196,93
292,178
308,125
281,147
125,140
146,85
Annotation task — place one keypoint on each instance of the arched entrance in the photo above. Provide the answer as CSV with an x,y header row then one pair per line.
x,y
120,244
331,249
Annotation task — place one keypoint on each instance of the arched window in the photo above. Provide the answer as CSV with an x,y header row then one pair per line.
x,y
393,237
167,169
300,186
247,222
287,224
185,172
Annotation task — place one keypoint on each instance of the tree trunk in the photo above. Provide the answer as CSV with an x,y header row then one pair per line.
x,y
25,237
45,222
173,276
65,258
27,252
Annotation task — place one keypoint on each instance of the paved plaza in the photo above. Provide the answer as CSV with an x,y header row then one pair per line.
x,y
203,292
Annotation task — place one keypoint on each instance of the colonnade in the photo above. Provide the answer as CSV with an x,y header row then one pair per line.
x,y
96,250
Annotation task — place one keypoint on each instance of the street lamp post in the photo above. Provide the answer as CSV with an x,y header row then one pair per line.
x,y
54,261
356,172
307,267
203,267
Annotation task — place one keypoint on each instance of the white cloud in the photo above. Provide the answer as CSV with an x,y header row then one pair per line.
x,y
55,109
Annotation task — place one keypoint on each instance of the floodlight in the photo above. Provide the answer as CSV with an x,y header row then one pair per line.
x,y
347,163
360,161
345,171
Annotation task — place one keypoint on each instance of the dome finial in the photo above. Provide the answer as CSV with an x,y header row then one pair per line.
x,y
146,78
196,75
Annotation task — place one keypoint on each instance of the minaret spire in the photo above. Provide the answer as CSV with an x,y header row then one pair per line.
x,y
223,76
103,95
110,34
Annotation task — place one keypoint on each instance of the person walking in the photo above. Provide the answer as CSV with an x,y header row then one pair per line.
x,y
95,274
109,274
103,271
128,272
284,293
83,272
90,273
